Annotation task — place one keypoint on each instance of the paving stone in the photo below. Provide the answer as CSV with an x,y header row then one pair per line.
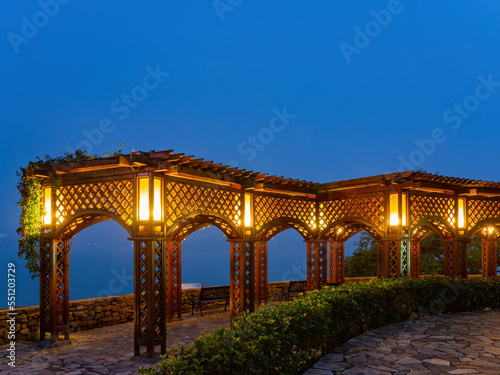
x,y
441,344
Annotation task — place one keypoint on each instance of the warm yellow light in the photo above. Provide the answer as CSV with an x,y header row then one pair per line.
x,y
248,210
404,203
490,230
143,198
47,219
158,201
340,230
393,209
461,213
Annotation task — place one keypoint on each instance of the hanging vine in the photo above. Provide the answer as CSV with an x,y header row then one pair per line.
x,y
31,203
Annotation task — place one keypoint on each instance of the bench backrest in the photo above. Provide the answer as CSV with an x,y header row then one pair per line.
x,y
214,292
297,286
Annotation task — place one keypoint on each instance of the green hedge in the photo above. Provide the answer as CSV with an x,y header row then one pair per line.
x,y
291,337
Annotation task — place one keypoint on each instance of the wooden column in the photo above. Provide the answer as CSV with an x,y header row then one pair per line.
x,y
393,258
261,272
337,261
174,278
54,288
455,258
242,288
415,259
488,257
150,295
317,264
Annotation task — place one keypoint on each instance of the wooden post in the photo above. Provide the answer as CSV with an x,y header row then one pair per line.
x,y
337,262
317,264
174,278
242,287
488,257
261,272
415,259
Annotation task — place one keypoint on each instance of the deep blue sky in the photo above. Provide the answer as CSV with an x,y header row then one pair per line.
x,y
356,114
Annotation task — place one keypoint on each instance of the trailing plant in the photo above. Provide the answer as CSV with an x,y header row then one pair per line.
x,y
291,337
32,211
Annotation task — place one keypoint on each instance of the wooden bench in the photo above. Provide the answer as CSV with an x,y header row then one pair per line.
x,y
210,294
294,287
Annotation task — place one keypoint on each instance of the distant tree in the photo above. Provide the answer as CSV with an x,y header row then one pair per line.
x,y
363,262
432,255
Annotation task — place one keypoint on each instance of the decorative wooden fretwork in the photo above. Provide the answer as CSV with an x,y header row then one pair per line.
x,y
422,206
488,257
184,229
336,259
182,200
273,214
261,272
150,295
369,208
481,209
174,278
455,258
317,260
114,197
405,258
242,276
415,259
54,288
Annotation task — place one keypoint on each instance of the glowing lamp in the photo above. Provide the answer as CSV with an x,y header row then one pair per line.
x,y
47,219
394,209
248,210
461,213
144,204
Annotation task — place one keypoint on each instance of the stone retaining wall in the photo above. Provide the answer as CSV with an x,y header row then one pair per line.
x,y
100,312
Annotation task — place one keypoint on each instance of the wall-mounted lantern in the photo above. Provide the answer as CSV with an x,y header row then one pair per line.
x,y
248,210
144,201
394,212
461,213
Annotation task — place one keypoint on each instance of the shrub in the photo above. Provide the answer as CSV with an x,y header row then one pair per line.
x,y
290,337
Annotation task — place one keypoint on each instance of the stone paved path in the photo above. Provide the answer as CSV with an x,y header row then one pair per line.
x,y
105,350
465,343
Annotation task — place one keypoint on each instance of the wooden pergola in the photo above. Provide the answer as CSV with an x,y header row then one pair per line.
x,y
162,197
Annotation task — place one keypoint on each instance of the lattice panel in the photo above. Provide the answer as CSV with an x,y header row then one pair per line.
x,y
394,258
488,258
45,250
142,286
158,287
316,264
261,271
423,206
450,258
242,277
193,224
381,259
62,282
369,208
481,209
414,259
183,199
115,197
405,258
337,266
267,209
174,279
